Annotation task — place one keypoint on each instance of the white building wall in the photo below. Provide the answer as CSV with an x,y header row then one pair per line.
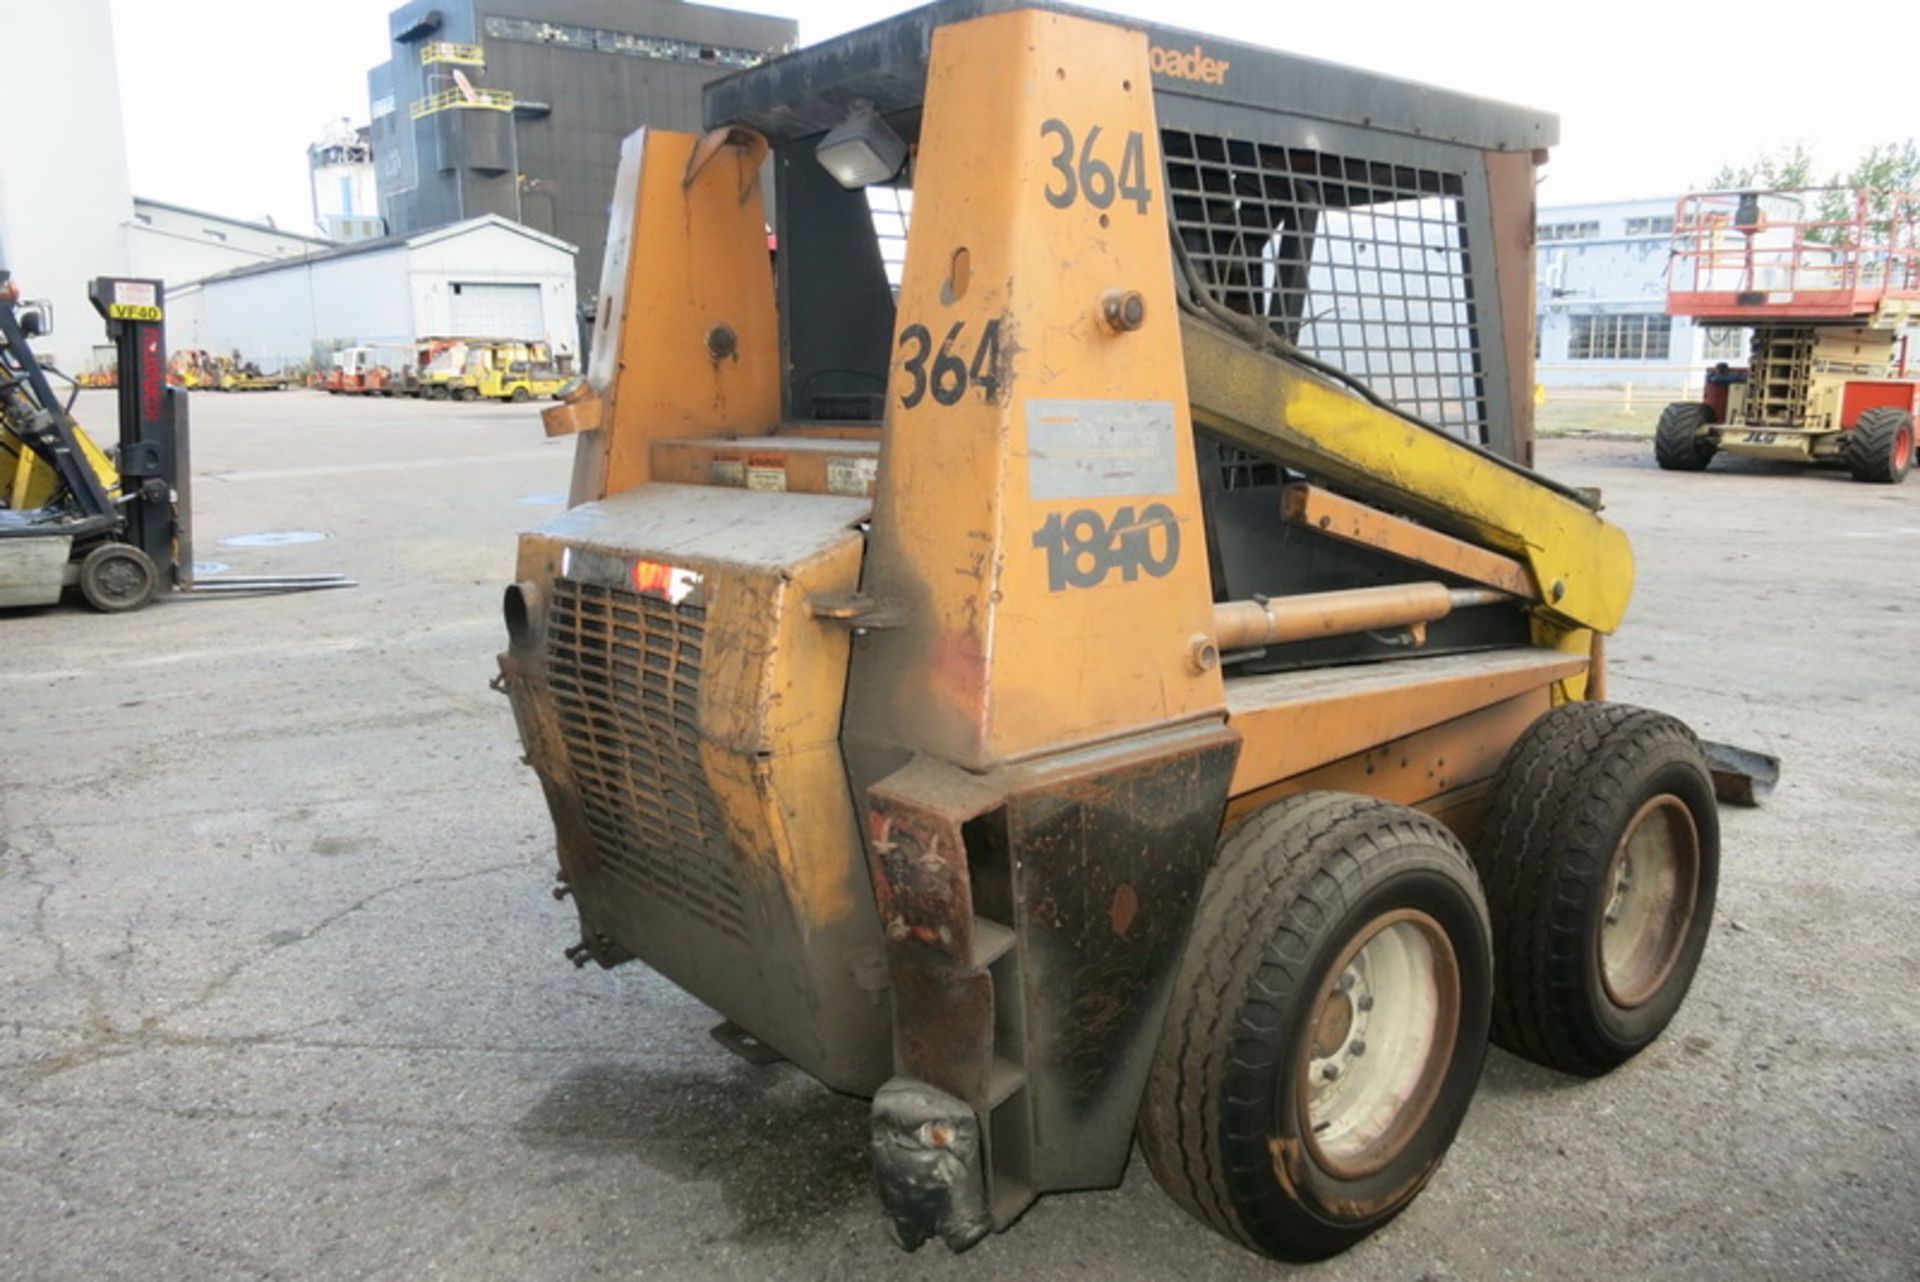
x,y
1615,272
180,245
298,315
64,200
186,318
495,253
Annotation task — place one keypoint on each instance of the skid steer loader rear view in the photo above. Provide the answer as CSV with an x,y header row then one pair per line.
x,y
1124,681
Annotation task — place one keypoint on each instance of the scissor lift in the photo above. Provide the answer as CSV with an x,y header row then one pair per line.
x,y
1828,280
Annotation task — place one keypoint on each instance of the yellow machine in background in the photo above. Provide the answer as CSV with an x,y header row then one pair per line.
x,y
190,367
510,371
522,381
1127,682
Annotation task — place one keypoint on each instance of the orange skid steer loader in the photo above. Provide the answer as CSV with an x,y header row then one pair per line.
x,y
1124,681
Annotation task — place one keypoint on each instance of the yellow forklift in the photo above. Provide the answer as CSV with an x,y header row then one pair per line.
x,y
113,522
1127,684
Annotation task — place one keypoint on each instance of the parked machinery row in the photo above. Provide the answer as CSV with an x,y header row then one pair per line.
x,y
457,369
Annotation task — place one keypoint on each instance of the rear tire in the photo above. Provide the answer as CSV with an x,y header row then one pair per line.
x,y
1326,1028
1601,857
1680,440
1879,449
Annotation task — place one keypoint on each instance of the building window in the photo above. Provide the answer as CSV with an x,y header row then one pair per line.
x,y
1627,337
1569,231
1650,226
1724,343
661,48
383,106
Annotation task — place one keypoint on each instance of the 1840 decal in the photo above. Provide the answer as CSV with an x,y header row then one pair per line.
x,y
1084,548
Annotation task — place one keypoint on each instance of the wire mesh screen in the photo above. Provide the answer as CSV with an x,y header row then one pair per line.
x,y
1361,263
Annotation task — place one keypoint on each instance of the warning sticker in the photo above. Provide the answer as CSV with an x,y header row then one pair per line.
x,y
767,472
135,293
727,469
852,476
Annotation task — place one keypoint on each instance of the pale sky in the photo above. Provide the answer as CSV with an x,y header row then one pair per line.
x,y
222,96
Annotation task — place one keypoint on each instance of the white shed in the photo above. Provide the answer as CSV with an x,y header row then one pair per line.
x,y
486,277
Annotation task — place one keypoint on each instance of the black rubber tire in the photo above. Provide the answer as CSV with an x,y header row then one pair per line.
x,y
521,396
1879,449
118,577
1680,443
1559,810
1292,887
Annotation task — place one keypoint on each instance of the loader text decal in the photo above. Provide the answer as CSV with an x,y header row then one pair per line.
x,y
1079,174
1189,64
1083,548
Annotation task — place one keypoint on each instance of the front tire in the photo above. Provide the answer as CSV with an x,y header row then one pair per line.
x,y
1601,859
1326,1028
116,578
1681,442
1879,449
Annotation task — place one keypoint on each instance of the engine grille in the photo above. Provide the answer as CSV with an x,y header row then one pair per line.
x,y
624,670
1359,262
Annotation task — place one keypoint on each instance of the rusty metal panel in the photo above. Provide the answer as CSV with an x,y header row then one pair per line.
x,y
1296,721
682,707
1342,518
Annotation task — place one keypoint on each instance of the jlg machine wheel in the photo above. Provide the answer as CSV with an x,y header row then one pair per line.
x,y
1680,440
1326,1028
1600,855
1880,446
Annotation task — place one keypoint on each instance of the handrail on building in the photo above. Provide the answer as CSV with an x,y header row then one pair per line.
x,y
458,99
447,51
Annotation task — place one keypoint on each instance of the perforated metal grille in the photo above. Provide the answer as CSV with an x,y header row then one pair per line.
x,y
625,674
1360,263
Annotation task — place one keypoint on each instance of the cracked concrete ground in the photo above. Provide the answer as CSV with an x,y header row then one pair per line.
x,y
281,992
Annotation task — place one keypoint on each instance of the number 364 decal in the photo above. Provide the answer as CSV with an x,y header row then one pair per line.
x,y
1083,548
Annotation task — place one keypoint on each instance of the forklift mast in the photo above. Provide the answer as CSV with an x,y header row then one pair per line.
x,y
154,466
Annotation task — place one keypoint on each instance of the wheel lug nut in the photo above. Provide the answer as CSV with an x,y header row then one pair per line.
x,y
1358,1047
1330,1072
1365,1003
1346,982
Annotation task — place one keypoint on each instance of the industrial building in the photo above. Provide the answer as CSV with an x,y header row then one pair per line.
x,y
1601,282
63,222
176,244
484,277
518,107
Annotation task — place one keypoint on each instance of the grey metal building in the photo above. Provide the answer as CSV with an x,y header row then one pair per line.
x,y
517,107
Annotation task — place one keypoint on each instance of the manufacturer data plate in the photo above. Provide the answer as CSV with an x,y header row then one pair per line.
x,y
1100,449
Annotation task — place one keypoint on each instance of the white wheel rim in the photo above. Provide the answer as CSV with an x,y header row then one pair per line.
x,y
1379,1043
1653,883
